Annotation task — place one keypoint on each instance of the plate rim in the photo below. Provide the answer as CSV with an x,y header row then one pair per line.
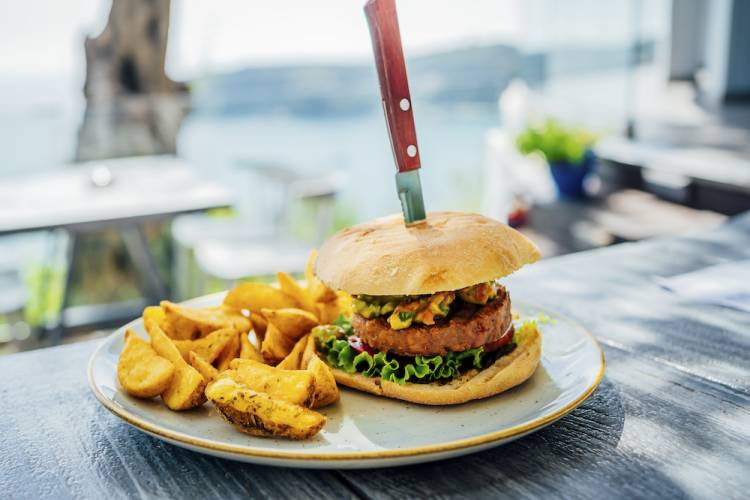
x,y
250,451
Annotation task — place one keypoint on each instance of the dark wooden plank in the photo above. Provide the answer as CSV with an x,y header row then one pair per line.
x,y
613,293
58,442
649,431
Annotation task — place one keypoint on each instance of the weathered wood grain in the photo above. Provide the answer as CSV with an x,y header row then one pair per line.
x,y
613,293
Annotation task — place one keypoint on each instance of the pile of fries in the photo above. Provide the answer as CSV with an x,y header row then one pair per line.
x,y
251,356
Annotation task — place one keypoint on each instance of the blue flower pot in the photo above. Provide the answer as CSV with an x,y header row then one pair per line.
x,y
569,177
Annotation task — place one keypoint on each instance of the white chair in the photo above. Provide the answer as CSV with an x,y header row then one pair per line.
x,y
262,239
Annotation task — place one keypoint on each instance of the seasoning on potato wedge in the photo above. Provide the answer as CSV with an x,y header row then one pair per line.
x,y
140,371
231,351
204,367
188,323
208,347
248,350
256,296
186,388
293,360
293,323
294,386
326,390
259,414
286,327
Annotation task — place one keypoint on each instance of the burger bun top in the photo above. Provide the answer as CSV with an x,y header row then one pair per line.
x,y
448,251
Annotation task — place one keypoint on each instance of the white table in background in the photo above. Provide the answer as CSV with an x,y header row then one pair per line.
x,y
141,189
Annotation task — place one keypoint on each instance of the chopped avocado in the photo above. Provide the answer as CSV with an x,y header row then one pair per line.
x,y
478,294
367,309
435,307
400,320
387,308
423,309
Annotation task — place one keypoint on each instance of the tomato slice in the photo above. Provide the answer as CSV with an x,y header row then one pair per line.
x,y
504,340
359,345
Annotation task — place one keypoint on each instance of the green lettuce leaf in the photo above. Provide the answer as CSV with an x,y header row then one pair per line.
x,y
331,341
393,367
401,369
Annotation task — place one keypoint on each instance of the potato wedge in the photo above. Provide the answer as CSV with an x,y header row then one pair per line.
x,y
259,324
140,371
293,361
317,291
294,386
345,304
205,368
186,390
285,328
248,350
260,415
208,347
294,323
186,323
290,286
155,314
235,319
326,390
275,346
327,312
231,351
256,296
308,354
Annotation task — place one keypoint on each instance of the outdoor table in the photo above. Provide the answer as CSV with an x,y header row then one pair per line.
x,y
121,194
670,419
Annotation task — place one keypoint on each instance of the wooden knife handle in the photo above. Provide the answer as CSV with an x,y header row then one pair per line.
x,y
394,85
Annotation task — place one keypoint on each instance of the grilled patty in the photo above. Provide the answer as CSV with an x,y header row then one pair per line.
x,y
468,327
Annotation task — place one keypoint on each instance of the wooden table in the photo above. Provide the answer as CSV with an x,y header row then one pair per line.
x,y
121,194
573,225
671,418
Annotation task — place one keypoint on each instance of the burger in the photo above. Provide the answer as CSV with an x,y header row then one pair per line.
x,y
430,322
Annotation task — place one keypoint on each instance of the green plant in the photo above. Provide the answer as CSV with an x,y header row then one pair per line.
x,y
45,284
557,143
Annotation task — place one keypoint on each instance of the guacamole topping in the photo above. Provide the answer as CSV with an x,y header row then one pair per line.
x,y
403,310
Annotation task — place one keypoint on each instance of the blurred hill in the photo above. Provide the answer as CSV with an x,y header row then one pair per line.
x,y
461,77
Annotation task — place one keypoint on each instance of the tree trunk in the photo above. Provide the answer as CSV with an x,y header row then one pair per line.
x,y
132,106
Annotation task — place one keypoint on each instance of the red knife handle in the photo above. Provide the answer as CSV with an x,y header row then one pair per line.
x,y
394,85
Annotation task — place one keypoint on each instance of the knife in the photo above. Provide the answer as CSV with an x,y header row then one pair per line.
x,y
397,106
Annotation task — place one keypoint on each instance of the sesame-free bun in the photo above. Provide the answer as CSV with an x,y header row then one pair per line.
x,y
448,251
507,372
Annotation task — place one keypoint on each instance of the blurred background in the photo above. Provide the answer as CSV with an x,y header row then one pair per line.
x,y
152,149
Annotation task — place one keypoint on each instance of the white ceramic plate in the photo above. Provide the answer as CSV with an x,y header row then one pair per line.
x,y
368,431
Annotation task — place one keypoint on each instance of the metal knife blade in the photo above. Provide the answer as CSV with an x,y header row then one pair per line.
x,y
410,193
